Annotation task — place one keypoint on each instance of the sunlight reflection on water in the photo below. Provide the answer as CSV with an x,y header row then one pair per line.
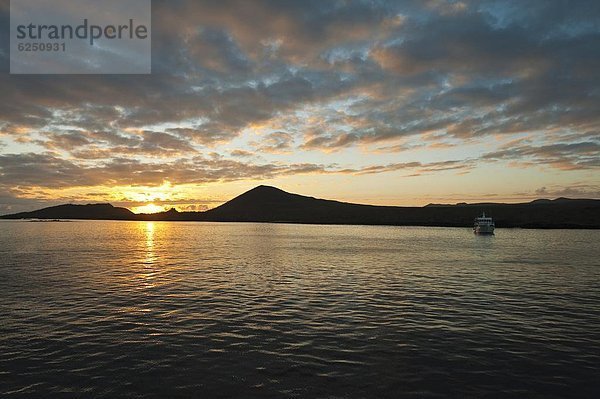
x,y
207,309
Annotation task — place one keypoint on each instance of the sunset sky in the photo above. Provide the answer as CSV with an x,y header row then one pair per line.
x,y
398,103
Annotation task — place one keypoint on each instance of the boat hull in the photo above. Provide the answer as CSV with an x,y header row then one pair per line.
x,y
484,230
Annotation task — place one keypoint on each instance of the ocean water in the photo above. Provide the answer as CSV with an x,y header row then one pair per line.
x,y
159,309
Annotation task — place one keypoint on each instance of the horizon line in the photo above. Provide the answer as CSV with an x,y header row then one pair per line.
x,y
173,208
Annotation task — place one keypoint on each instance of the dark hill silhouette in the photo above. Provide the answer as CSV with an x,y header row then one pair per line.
x,y
270,204
70,211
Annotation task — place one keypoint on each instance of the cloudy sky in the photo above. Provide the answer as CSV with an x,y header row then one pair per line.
x,y
400,102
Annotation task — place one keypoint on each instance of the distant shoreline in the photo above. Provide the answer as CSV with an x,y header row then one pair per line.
x,y
265,204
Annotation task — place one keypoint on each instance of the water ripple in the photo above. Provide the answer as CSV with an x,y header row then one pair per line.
x,y
104,309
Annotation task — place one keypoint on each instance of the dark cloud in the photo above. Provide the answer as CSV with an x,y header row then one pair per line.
x,y
48,170
215,50
318,76
105,144
473,68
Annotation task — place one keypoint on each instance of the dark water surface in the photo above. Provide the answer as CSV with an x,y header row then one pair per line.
x,y
135,309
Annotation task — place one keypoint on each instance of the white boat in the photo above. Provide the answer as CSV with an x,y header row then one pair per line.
x,y
483,225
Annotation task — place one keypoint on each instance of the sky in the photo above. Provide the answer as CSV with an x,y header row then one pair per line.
x,y
396,103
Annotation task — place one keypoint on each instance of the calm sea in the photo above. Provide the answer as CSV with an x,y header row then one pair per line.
x,y
159,309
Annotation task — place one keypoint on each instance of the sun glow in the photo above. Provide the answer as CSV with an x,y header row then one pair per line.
x,y
163,192
148,208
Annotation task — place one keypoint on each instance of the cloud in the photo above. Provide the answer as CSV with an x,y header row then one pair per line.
x,y
106,144
215,50
566,156
276,143
416,168
241,153
48,170
298,78
460,67
572,191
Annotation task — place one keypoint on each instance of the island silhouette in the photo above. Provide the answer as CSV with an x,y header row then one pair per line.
x,y
273,205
